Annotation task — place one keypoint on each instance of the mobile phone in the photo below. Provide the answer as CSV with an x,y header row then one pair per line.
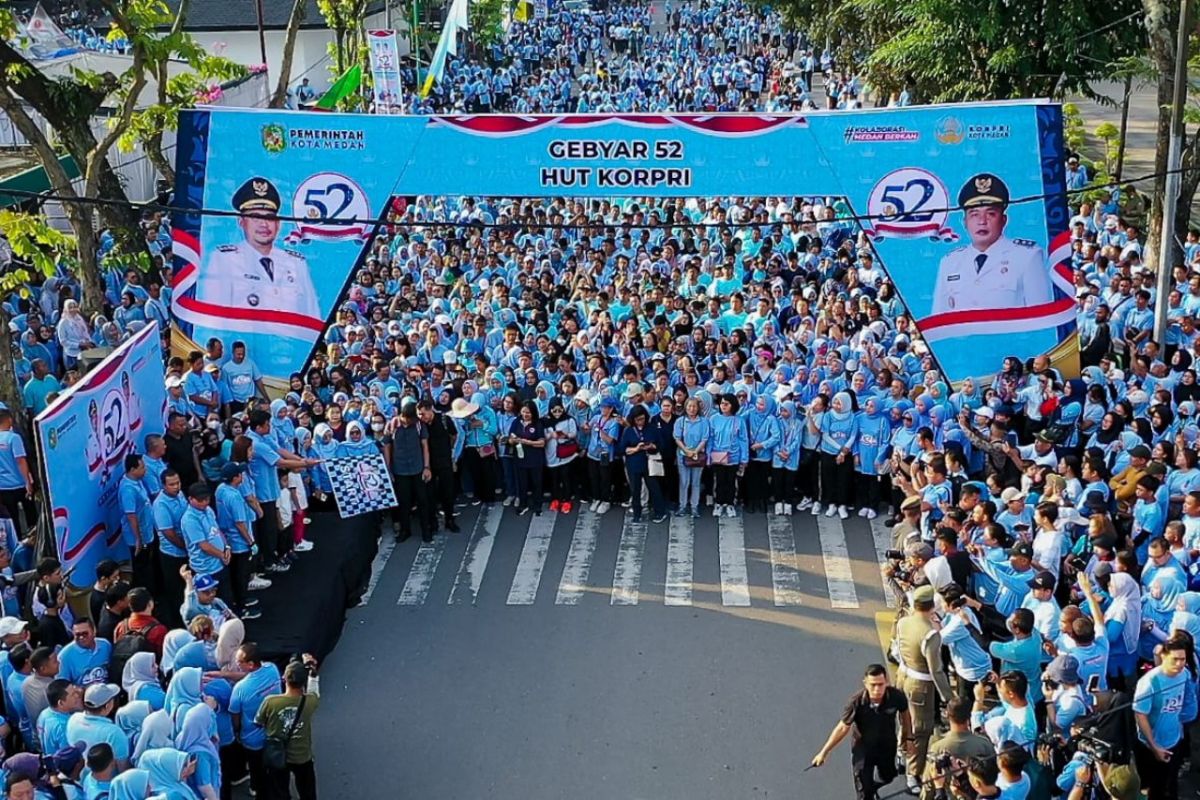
x,y
1093,683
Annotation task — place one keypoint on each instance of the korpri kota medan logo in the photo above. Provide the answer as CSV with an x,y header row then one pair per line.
x,y
949,130
274,138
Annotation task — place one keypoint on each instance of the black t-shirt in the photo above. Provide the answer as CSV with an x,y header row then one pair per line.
x,y
960,567
179,457
874,726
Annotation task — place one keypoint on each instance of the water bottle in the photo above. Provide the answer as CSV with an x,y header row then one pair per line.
x,y
520,450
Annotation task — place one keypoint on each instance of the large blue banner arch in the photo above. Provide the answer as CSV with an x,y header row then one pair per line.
x,y
965,205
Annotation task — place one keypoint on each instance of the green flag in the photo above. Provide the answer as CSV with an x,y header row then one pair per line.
x,y
342,88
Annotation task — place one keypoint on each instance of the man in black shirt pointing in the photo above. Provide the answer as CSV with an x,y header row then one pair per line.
x,y
870,714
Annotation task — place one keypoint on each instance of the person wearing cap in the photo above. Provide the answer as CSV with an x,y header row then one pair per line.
x,y
918,650
256,273
177,401
95,726
993,271
1012,578
208,549
1016,517
1066,700
236,518
200,598
301,695
478,456
1045,609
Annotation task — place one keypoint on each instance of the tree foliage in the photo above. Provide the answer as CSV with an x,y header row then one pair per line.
x,y
487,22
347,22
955,50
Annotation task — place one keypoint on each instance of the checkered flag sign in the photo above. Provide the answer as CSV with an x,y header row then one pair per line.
x,y
361,484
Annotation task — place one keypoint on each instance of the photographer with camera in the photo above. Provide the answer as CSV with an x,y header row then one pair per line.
x,y
905,570
287,720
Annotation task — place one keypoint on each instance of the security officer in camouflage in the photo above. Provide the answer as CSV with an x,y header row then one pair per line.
x,y
918,650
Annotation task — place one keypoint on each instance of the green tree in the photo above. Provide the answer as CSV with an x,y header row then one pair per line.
x,y
487,23
38,249
69,104
954,50
346,19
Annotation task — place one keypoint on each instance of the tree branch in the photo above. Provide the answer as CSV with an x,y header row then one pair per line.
x,y
99,153
295,20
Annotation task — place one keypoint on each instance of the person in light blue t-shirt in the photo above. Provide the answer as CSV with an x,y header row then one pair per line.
x,y
1165,701
208,551
16,481
85,660
262,680
243,377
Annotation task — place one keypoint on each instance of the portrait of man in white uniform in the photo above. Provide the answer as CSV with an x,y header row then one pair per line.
x,y
255,272
993,271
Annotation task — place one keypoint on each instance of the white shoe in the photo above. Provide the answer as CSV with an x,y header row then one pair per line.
x,y
816,509
871,513
627,503
303,546
843,513
731,512
595,505
257,583
308,520
787,509
604,507
804,505
862,512
507,502
778,509
831,511
718,511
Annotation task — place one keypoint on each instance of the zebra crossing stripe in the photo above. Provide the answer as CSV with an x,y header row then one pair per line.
x,y
387,544
785,568
882,537
836,555
579,559
735,582
628,575
533,560
475,559
424,568
680,549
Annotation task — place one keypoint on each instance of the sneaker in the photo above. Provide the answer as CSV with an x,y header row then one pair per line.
x,y
660,518
308,520
554,505
731,512
843,512
804,505
871,513
696,513
565,507
862,512
251,613
604,508
787,509
279,566
303,546
718,511
831,511
508,501
256,583
778,509
595,505
524,510
627,503
637,518
816,509
476,501
250,602
683,512
914,784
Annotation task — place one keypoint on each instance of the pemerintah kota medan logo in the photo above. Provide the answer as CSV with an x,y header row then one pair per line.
x,y
274,138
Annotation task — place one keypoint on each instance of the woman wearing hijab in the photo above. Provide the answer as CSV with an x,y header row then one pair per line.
x,y
183,693
785,461
870,454
140,680
197,738
322,447
1123,624
174,641
170,770
728,452
130,718
73,334
765,434
357,443
132,784
839,437
1158,608
156,731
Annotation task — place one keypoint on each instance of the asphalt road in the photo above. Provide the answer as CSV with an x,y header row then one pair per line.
x,y
572,658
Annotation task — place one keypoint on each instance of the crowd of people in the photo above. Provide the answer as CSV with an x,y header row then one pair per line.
x,y
727,56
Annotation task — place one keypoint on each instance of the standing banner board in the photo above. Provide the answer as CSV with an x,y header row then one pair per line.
x,y
907,172
385,71
361,484
104,417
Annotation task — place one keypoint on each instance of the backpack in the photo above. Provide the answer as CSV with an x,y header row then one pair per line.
x,y
135,640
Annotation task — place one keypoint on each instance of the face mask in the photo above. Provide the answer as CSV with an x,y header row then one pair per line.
x,y
377,427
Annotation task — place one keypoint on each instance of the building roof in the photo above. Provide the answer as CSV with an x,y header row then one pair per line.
x,y
242,15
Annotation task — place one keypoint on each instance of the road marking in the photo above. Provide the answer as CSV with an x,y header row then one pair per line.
x,y
420,577
533,560
735,583
387,543
837,563
785,568
680,549
579,559
628,575
475,559
883,542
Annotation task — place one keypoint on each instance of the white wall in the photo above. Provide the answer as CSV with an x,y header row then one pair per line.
x,y
310,59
